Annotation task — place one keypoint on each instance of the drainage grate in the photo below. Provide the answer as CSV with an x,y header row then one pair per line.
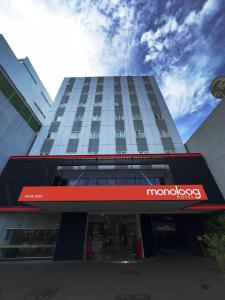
x,y
40,294
129,272
133,297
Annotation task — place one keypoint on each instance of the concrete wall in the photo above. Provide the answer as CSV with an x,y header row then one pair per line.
x,y
209,139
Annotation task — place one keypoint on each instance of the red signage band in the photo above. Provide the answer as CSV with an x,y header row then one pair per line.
x,y
112,193
206,207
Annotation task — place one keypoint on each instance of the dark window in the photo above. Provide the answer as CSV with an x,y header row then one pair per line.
x,y
54,126
80,111
142,144
97,110
85,89
100,79
120,145
118,97
93,181
121,181
95,126
83,98
138,125
64,99
99,88
98,98
93,145
72,145
168,144
47,146
76,126
148,87
119,125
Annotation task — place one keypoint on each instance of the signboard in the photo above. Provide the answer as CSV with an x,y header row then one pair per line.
x,y
112,193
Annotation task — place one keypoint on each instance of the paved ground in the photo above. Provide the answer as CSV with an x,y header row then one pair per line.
x,y
162,278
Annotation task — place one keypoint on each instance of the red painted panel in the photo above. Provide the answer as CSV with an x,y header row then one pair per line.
x,y
206,207
107,156
19,209
113,193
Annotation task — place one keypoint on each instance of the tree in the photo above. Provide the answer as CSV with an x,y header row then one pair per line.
x,y
215,240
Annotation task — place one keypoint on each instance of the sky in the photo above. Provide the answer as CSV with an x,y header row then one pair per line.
x,y
180,42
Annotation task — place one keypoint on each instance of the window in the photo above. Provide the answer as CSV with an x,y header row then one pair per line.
x,y
59,118
99,88
120,134
92,152
79,118
81,104
72,145
117,86
136,116
118,103
87,80
98,98
148,87
134,103
44,153
158,116
83,98
51,135
62,105
164,133
96,117
121,152
97,104
74,135
94,134
119,117
170,151
140,134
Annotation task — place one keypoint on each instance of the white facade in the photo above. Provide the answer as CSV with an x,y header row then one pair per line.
x,y
209,139
108,115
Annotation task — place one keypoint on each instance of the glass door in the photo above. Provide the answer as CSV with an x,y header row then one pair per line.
x,y
111,237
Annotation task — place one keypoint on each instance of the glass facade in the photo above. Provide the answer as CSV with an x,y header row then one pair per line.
x,y
115,181
26,236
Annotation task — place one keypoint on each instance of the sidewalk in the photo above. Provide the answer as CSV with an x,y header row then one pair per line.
x,y
178,277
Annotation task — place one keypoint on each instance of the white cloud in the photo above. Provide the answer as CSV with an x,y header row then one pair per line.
x,y
184,84
67,38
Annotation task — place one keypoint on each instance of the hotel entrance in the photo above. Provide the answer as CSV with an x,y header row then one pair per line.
x,y
112,238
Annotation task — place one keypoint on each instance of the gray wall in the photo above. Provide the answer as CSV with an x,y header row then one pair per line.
x,y
209,139
16,136
29,86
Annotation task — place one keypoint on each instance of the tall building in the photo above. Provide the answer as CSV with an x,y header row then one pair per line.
x,y
108,115
24,103
107,178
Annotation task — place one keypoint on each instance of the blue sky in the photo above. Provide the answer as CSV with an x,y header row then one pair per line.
x,y
181,43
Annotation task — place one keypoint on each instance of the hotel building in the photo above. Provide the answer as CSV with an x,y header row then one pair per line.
x,y
107,178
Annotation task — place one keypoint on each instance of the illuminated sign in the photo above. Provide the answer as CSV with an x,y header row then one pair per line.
x,y
112,193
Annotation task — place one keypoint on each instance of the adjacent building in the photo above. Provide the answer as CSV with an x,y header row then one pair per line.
x,y
24,104
107,178
209,139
